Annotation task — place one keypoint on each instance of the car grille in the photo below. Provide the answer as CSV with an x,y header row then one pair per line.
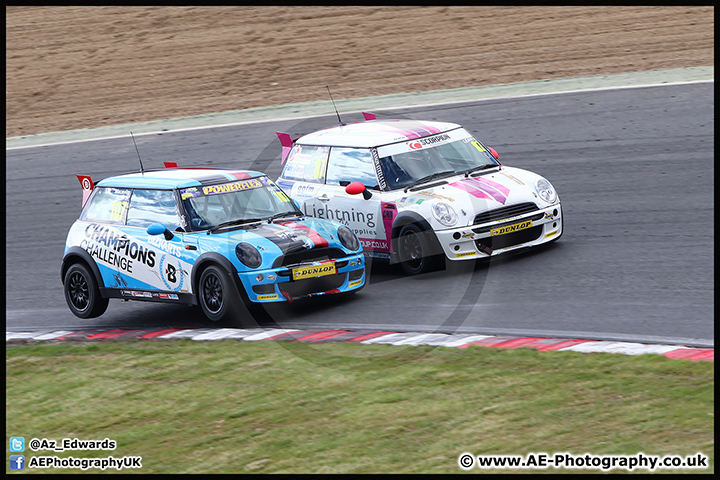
x,y
487,228
505,212
306,256
307,286
509,239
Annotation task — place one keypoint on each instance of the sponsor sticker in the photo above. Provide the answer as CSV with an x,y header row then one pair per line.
x,y
231,187
354,284
511,228
466,254
267,297
427,141
477,145
320,270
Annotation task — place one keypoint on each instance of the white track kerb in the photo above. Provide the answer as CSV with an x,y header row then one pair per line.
x,y
312,109
365,338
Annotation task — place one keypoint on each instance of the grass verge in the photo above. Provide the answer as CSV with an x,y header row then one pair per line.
x,y
289,407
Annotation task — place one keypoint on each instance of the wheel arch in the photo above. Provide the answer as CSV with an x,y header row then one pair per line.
x,y
75,255
212,258
409,217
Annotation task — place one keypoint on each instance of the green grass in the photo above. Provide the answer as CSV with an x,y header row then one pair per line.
x,y
289,407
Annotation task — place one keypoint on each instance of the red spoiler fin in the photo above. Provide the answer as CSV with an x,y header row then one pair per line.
x,y
87,187
287,143
170,164
369,116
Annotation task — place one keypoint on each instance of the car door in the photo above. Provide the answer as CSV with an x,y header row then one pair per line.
x,y
347,165
158,263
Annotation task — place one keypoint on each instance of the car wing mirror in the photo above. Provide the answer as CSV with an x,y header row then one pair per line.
x,y
160,229
356,188
494,153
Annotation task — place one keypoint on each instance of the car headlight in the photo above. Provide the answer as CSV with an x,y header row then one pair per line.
x,y
248,255
444,214
348,238
545,190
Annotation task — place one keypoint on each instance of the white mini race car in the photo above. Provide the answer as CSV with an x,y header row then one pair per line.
x,y
417,192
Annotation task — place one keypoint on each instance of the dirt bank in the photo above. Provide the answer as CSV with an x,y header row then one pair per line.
x,y
75,67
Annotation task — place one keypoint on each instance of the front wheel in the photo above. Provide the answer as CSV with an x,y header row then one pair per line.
x,y
217,294
82,293
414,249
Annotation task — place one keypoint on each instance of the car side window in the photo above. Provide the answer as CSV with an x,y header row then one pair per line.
x,y
153,206
306,163
347,165
108,204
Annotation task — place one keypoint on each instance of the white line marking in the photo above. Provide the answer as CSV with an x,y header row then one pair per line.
x,y
302,117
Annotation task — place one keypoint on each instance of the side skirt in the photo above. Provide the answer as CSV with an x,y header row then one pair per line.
x,y
149,296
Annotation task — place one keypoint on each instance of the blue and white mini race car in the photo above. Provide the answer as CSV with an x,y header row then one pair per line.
x,y
212,237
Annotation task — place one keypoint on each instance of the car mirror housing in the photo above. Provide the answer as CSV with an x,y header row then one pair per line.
x,y
356,187
160,229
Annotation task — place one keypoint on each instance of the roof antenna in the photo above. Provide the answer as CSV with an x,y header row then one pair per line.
x,y
142,170
333,102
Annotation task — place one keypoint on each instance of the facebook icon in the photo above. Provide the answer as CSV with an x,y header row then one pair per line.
x,y
17,462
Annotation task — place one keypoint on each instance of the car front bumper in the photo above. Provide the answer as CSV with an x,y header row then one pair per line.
x,y
494,238
278,285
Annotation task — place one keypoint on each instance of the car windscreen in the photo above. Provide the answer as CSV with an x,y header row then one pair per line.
x,y
444,154
210,206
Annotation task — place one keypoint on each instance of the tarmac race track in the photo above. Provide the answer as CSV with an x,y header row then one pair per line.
x,y
633,167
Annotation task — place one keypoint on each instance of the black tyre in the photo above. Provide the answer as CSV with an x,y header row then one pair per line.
x,y
217,294
82,293
415,250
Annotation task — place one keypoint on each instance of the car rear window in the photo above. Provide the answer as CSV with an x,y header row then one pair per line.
x,y
108,204
306,163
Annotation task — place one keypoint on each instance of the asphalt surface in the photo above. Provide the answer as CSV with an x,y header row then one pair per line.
x,y
634,169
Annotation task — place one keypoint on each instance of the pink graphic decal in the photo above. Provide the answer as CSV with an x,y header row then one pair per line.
x,y
389,212
413,132
471,190
498,191
483,188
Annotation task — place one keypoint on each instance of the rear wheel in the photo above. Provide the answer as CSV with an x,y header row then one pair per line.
x,y
217,294
82,293
414,249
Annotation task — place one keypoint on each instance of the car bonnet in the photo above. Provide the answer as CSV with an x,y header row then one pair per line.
x,y
283,237
481,193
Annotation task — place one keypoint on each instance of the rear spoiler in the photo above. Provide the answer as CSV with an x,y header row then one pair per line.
x,y
287,142
87,187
